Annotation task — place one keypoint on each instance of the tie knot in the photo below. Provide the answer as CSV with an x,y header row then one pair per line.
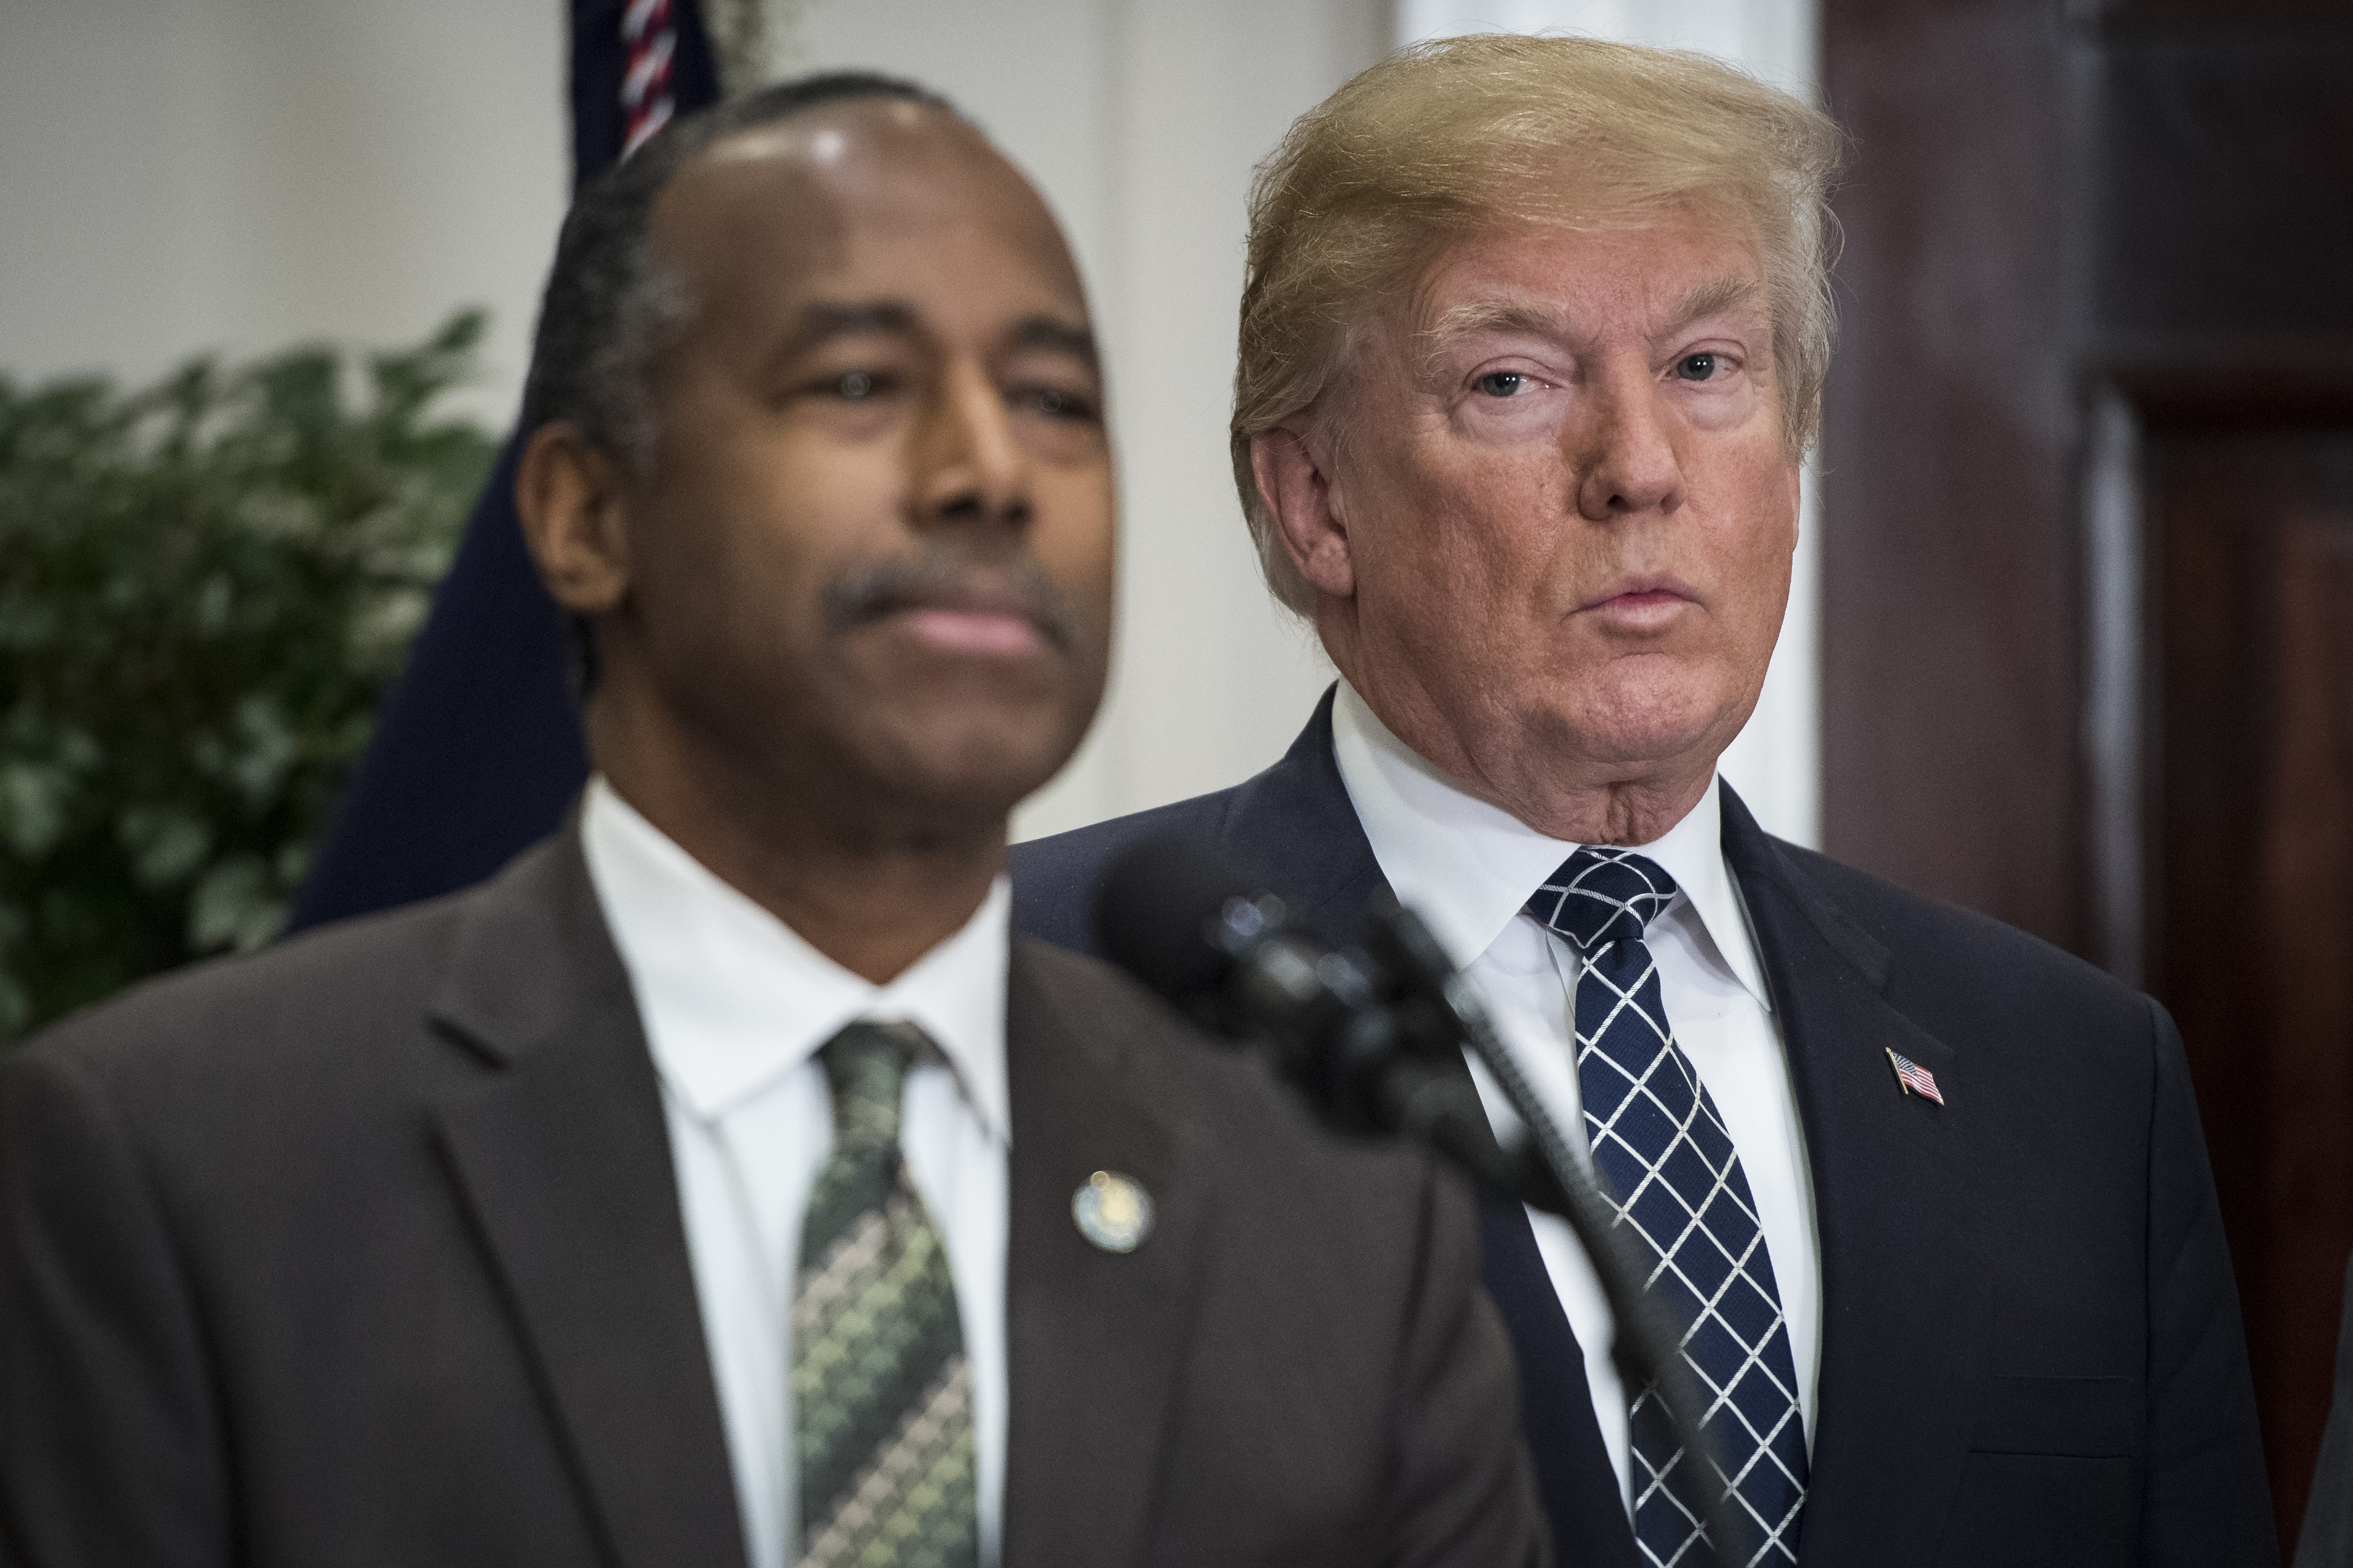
x,y
1600,896
866,1067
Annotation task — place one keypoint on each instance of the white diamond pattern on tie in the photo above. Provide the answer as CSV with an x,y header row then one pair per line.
x,y
1671,1170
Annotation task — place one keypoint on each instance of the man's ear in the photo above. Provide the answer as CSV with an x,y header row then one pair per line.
x,y
1296,487
574,504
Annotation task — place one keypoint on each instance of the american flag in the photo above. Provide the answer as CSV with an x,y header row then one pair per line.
x,y
1913,1078
650,34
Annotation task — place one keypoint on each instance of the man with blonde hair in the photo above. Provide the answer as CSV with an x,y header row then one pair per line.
x,y
1532,344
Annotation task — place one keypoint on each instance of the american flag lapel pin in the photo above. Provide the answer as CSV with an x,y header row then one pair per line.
x,y
1913,1079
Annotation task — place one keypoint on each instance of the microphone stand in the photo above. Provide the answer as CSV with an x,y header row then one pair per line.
x,y
1373,1039
1648,1345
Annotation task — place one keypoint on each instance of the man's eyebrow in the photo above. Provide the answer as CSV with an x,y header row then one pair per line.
x,y
1710,298
1477,316
1056,336
821,323
1495,316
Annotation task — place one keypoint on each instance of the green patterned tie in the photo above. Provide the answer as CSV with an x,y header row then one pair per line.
x,y
880,1387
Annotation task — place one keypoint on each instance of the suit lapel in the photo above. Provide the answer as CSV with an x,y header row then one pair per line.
x,y
1906,1311
1906,1308
562,1157
1096,1341
1296,822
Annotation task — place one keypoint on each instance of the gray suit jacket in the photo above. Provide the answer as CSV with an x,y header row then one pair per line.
x,y
367,1251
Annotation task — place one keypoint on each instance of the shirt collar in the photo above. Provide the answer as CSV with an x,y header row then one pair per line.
x,y
732,998
1467,866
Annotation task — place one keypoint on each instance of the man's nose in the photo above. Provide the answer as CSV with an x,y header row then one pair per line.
x,y
1624,449
972,466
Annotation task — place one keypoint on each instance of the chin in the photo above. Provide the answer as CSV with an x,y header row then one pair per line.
x,y
1647,722
973,763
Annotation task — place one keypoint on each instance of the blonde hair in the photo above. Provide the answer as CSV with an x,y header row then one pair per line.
x,y
1444,139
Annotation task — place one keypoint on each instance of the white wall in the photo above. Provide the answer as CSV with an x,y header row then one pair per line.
x,y
1776,41
1777,763
237,174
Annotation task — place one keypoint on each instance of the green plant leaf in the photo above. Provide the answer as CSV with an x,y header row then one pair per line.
x,y
206,587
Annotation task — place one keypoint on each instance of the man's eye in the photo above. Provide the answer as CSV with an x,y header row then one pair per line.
x,y
1695,367
856,386
1501,383
1051,402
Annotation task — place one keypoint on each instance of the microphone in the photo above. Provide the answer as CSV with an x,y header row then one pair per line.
x,y
1372,1051
1372,1036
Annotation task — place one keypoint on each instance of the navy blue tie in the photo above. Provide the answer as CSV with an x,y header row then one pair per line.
x,y
1669,1168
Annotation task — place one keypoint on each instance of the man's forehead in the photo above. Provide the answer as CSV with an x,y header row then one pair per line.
x,y
819,137
793,191
831,138
803,168
1510,310
1561,282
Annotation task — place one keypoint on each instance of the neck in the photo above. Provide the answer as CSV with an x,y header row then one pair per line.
x,y
872,889
1631,813
1595,803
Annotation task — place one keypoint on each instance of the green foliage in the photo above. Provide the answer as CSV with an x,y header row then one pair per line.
x,y
205,587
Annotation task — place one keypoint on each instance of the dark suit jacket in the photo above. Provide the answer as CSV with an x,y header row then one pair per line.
x,y
368,1251
2328,1537
2030,1341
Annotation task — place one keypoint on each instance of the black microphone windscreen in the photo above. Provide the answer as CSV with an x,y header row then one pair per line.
x,y
1154,908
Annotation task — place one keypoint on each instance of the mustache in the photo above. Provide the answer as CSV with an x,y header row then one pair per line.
x,y
953,575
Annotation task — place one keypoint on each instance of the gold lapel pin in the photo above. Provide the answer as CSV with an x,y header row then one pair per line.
x,y
1113,1211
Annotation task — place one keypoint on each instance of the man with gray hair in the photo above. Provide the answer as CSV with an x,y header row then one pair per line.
x,y
1532,344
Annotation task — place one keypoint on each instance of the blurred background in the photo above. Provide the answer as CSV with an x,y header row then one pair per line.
x,y
2071,642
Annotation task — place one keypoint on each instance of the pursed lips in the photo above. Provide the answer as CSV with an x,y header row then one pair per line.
x,y
1643,601
973,618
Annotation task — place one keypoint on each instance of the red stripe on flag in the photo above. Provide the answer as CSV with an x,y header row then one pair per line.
x,y
647,104
1913,1078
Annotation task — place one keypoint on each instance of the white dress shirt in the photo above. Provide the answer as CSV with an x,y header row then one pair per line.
x,y
735,1007
1467,867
